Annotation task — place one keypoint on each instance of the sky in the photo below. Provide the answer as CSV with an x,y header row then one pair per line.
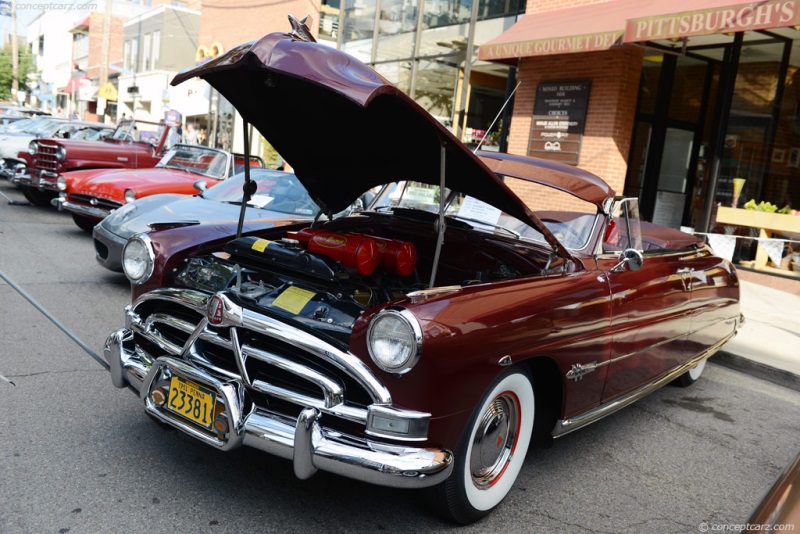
x,y
27,10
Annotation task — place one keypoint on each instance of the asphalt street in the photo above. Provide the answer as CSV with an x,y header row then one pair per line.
x,y
80,456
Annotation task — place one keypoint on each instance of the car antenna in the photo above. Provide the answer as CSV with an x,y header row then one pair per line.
x,y
249,187
497,117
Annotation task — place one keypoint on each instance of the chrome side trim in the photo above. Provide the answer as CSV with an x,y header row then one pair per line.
x,y
565,426
580,369
95,213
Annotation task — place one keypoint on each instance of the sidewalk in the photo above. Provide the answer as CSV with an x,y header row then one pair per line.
x,y
768,344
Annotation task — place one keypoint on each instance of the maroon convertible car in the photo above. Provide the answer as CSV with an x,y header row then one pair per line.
x,y
429,340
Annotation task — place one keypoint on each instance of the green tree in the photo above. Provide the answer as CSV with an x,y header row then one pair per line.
x,y
26,66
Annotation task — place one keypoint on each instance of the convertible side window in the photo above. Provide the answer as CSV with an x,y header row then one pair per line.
x,y
624,229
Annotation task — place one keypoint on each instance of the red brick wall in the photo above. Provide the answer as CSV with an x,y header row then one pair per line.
x,y
96,43
233,24
610,114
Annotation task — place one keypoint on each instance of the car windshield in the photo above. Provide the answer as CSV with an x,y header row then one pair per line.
x,y
138,131
35,125
276,191
573,226
90,134
197,159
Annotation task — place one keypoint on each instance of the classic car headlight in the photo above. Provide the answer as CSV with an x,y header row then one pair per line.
x,y
61,183
130,196
138,259
394,340
61,153
32,148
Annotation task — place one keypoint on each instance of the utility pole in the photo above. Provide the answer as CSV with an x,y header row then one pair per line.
x,y
106,44
14,52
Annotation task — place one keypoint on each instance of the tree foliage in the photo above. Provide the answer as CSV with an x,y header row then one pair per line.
x,y
26,65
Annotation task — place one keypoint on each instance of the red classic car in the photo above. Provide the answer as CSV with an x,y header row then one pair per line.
x,y
133,145
429,340
90,195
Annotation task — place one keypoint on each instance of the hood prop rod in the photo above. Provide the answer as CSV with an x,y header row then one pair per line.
x,y
442,223
249,187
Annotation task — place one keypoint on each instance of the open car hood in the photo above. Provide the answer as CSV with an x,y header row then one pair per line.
x,y
345,129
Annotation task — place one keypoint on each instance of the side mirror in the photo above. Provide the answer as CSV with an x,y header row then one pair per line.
x,y
629,258
200,185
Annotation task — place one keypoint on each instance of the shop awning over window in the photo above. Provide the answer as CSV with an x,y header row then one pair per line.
x,y
74,84
563,31
675,19
603,25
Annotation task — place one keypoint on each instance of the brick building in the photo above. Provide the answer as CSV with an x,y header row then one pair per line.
x,y
692,108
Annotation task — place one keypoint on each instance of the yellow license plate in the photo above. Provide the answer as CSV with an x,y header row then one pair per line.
x,y
192,401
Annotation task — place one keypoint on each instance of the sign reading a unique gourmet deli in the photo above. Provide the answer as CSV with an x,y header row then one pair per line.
x,y
559,116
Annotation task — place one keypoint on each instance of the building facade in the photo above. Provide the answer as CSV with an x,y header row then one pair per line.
x,y
156,45
692,111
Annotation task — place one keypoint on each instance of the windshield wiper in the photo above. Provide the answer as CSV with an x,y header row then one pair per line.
x,y
484,223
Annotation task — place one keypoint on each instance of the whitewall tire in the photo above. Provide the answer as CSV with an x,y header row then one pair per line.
x,y
691,376
491,451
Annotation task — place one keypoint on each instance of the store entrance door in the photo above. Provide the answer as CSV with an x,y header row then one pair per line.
x,y
673,177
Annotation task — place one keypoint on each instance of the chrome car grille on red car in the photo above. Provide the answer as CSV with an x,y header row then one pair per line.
x,y
278,368
45,157
90,201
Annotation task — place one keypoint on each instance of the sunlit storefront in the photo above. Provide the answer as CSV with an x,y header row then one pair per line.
x,y
428,48
692,107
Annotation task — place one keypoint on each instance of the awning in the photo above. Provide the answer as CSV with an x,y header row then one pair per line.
x,y
563,31
675,19
74,84
603,25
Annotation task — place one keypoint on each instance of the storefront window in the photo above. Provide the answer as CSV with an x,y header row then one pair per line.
x,y
398,73
436,82
359,20
397,22
687,90
446,12
648,86
748,156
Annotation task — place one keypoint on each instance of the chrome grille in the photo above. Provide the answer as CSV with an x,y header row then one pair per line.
x,y
90,201
45,157
275,361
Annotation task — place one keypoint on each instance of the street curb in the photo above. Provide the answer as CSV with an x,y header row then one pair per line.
x,y
758,370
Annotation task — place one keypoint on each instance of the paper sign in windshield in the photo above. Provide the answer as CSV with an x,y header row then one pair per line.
x,y
476,210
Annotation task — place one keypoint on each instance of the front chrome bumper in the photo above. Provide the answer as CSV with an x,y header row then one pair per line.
x,y
42,180
87,211
304,440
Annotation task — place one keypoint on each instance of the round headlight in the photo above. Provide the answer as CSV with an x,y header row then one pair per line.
x,y
61,183
61,153
130,196
32,148
394,340
138,259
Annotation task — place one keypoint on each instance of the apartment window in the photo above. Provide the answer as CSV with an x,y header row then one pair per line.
x,y
156,55
126,55
134,52
146,53
80,46
41,45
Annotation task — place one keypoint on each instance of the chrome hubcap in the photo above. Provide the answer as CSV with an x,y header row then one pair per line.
x,y
494,440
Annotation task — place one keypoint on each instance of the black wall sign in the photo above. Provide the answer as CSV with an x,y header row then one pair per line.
x,y
564,100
